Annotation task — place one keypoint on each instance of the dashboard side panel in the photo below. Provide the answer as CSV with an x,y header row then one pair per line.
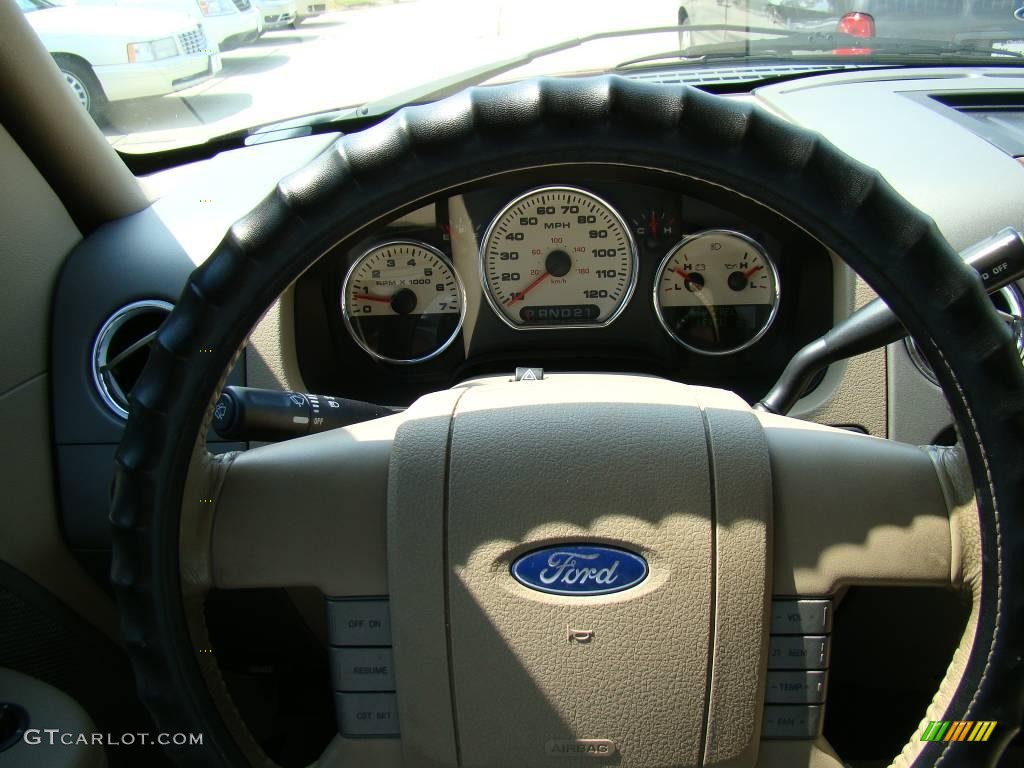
x,y
147,255
32,540
36,234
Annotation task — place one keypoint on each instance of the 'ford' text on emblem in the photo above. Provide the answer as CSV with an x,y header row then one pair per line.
x,y
579,569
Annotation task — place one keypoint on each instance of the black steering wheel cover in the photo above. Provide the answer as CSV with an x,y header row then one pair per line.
x,y
423,151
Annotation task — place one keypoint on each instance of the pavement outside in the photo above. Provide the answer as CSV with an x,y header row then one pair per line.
x,y
362,53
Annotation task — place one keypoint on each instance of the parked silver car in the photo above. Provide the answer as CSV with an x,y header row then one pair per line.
x,y
276,14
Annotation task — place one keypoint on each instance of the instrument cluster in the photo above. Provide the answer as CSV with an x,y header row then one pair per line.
x,y
560,257
571,271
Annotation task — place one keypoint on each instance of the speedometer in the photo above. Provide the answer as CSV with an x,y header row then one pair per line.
x,y
558,257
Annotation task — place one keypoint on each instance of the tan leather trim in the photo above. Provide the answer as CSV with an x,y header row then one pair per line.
x,y
965,525
36,235
502,633
930,502
418,582
56,133
307,512
743,565
226,495
621,460
888,520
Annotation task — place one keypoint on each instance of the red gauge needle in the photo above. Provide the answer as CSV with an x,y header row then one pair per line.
x,y
522,294
752,270
370,297
654,225
681,273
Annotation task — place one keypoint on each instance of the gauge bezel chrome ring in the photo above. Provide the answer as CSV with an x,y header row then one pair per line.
x,y
101,343
357,337
762,252
634,255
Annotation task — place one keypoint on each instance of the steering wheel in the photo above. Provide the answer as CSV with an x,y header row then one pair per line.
x,y
726,506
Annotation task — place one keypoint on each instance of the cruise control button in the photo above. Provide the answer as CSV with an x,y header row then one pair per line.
x,y
366,714
794,652
795,687
801,617
362,669
358,622
791,722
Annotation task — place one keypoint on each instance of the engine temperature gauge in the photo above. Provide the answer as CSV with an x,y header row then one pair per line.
x,y
655,228
717,292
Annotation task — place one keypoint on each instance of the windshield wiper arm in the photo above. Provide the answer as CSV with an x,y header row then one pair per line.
x,y
786,43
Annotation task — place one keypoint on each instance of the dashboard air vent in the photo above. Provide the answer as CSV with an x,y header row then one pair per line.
x,y
121,349
995,115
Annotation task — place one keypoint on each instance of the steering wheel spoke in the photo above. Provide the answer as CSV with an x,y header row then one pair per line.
x,y
854,509
307,512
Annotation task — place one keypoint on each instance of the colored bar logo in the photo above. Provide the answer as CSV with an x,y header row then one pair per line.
x,y
958,730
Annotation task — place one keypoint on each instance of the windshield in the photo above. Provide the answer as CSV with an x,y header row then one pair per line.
x,y
160,74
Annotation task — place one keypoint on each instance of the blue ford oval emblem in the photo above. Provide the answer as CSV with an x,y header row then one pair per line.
x,y
1018,14
579,569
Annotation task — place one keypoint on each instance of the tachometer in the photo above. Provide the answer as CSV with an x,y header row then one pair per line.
x,y
558,257
402,301
717,292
